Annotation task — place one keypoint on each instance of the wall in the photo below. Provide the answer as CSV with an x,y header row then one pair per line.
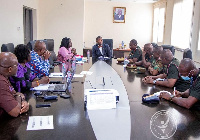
x,y
62,18
11,16
99,21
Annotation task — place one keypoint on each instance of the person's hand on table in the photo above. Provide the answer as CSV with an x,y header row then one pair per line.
x,y
177,93
130,60
44,80
148,80
25,107
165,95
22,95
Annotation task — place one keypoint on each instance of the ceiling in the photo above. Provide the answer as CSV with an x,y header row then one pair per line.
x,y
136,1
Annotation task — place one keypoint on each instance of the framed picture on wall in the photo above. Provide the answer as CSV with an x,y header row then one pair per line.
x,y
119,14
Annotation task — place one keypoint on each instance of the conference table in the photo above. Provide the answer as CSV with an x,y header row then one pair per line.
x,y
72,120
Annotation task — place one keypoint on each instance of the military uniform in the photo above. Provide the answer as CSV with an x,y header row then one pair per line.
x,y
149,58
194,90
172,73
137,53
157,65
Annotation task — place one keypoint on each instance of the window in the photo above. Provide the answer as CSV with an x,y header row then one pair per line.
x,y
182,23
159,22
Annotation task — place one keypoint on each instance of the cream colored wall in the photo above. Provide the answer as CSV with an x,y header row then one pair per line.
x,y
99,21
62,18
11,24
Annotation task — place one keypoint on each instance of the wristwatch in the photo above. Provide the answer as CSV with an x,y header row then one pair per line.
x,y
154,82
171,97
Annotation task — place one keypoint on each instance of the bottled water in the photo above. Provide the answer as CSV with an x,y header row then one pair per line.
x,y
88,54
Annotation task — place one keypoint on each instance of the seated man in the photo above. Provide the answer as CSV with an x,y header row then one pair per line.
x,y
11,103
191,96
147,56
136,52
100,49
40,67
170,74
156,66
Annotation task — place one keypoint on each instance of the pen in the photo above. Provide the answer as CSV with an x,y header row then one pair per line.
x,y
174,90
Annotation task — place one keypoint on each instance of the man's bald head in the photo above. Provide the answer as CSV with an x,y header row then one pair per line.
x,y
7,60
187,65
39,46
166,56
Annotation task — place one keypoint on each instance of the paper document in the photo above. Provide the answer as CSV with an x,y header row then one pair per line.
x,y
86,72
78,75
101,99
79,62
158,93
41,87
40,122
56,75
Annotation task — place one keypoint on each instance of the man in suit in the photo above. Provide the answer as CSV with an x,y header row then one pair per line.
x,y
119,15
100,49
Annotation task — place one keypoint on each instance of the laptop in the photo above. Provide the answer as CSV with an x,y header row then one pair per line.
x,y
57,87
51,87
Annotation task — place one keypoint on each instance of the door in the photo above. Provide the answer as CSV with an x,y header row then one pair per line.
x,y
28,24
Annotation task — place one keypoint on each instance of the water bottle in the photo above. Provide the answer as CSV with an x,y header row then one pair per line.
x,y
122,44
63,72
88,54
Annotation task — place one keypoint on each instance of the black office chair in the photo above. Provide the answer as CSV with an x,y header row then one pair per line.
x,y
154,44
187,53
170,47
7,47
110,43
50,48
31,45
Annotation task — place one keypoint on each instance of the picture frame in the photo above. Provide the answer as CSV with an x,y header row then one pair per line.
x,y
119,14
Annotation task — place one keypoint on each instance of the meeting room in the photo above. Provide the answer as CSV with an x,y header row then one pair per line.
x,y
99,69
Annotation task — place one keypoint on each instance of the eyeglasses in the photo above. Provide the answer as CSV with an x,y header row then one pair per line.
x,y
8,66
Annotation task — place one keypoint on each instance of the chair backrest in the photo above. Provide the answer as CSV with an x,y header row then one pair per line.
x,y
7,47
31,45
187,53
154,44
50,44
170,47
110,43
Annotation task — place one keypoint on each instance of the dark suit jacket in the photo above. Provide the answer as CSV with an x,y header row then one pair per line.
x,y
105,50
117,17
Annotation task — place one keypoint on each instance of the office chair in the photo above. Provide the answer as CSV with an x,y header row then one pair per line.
x,y
170,47
110,43
154,44
7,47
31,45
50,48
187,53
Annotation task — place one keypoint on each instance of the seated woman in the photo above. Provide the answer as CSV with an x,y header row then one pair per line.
x,y
65,54
24,80
156,66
